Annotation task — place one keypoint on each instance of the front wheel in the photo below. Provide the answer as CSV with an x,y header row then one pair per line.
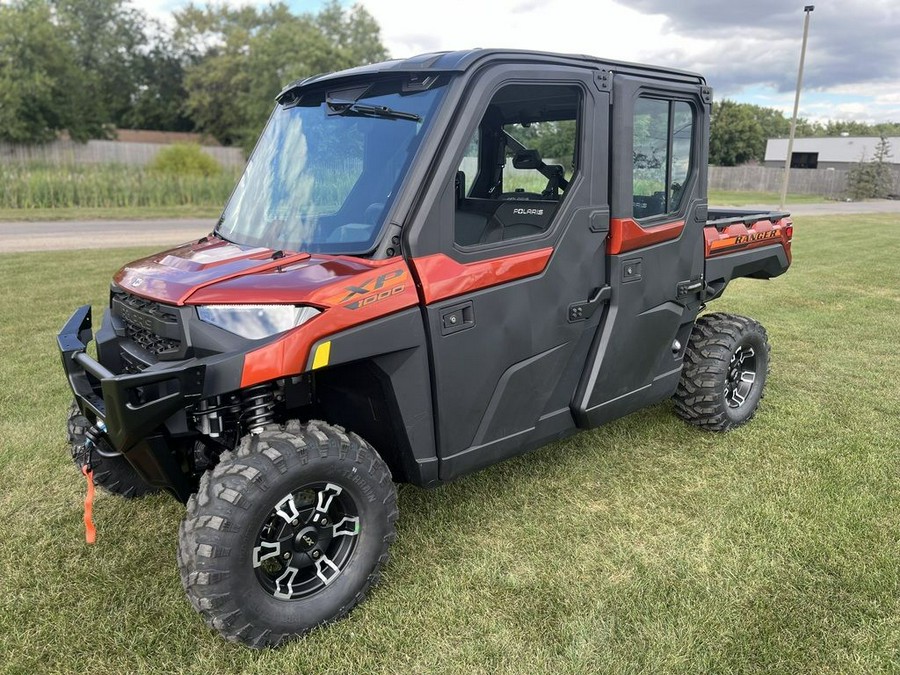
x,y
287,533
725,369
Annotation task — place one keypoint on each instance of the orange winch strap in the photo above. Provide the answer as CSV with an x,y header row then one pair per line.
x,y
90,532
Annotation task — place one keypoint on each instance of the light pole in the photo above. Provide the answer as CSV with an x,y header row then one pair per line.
x,y
790,150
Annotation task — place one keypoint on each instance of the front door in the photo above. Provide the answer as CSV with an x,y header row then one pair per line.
x,y
514,290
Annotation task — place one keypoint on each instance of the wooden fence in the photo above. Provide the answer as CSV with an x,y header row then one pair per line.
x,y
830,183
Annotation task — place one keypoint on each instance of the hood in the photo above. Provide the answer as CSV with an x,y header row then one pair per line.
x,y
213,271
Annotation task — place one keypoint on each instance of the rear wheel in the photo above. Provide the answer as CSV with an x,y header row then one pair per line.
x,y
112,472
725,369
287,533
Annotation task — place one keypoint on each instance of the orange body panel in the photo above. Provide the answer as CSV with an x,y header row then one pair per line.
x,y
442,277
626,234
380,290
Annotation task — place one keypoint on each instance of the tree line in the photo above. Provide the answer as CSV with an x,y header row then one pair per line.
x,y
739,131
87,67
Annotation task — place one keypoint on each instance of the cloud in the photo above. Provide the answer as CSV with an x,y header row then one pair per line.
x,y
419,42
600,28
743,48
851,42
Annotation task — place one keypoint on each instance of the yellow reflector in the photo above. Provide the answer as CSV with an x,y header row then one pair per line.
x,y
323,352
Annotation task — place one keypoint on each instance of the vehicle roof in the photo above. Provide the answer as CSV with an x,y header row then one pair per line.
x,y
460,61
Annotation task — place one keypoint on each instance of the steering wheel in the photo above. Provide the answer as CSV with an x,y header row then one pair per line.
x,y
373,211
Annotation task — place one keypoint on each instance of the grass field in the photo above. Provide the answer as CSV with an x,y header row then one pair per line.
x,y
37,186
213,210
642,546
42,192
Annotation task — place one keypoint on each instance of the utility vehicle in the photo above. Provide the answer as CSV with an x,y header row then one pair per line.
x,y
429,265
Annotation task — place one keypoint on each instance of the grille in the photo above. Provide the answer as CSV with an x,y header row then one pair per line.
x,y
140,316
153,343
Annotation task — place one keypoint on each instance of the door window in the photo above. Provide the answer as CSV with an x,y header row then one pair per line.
x,y
662,151
518,167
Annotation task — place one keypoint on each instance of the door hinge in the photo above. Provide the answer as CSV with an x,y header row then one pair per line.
x,y
603,80
582,311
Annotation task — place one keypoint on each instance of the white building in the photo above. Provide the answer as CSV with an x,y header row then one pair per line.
x,y
832,152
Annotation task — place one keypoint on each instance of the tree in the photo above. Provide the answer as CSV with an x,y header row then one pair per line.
x,y
239,59
873,179
36,75
157,100
106,39
355,34
85,67
736,135
772,122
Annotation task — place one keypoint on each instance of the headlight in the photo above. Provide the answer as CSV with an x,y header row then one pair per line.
x,y
255,321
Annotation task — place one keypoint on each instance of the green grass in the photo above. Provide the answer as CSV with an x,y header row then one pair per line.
x,y
111,213
642,546
102,186
735,198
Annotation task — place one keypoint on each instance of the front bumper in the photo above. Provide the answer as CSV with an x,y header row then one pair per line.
x,y
145,413
119,400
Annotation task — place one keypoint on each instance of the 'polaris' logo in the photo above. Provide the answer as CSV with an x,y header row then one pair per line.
x,y
528,212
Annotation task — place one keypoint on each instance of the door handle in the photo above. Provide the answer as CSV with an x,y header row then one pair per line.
x,y
457,318
584,310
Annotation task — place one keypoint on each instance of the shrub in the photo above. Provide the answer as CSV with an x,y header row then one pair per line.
x,y
185,159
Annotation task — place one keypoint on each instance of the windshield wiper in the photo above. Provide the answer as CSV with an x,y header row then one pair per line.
x,y
337,107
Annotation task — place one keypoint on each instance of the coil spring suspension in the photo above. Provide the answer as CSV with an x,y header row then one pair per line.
x,y
258,407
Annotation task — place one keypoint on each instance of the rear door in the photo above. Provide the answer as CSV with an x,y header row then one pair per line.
x,y
655,262
521,249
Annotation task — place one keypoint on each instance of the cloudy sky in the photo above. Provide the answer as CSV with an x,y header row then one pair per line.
x,y
748,50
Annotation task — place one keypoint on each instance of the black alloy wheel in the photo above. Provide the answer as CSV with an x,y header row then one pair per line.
x,y
307,539
741,376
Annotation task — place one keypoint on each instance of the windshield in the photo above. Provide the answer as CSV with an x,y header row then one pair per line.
x,y
327,167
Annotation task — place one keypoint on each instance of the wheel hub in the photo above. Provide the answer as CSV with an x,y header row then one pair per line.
x,y
306,541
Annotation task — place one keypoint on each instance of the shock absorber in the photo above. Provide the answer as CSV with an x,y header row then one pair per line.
x,y
258,407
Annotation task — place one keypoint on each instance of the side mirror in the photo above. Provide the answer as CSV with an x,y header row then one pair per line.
x,y
528,159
